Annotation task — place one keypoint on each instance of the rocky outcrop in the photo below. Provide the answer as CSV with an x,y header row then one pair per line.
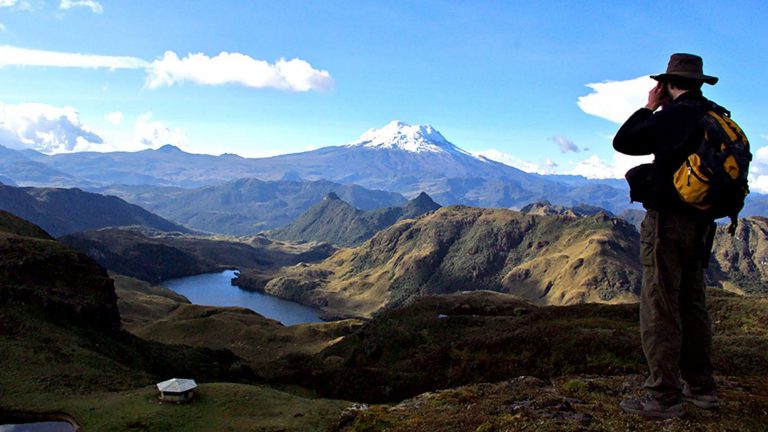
x,y
740,263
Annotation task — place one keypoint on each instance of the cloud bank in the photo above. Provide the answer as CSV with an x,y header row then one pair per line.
x,y
596,168
45,128
236,68
114,117
226,68
615,101
93,5
13,56
547,167
758,170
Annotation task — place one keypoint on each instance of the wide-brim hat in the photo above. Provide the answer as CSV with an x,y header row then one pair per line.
x,y
686,66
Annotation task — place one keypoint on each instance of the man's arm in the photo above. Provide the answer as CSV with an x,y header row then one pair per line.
x,y
637,136
640,134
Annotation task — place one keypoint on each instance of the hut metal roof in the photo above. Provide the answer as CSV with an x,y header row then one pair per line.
x,y
177,385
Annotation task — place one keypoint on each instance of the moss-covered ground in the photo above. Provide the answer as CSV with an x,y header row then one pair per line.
x,y
568,403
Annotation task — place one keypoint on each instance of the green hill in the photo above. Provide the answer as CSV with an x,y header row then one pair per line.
x,y
337,222
64,211
546,259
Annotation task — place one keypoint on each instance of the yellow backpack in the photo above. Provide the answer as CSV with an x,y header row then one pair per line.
x,y
714,178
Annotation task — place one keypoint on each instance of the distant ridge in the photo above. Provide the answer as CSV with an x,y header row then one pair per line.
x,y
65,211
7,181
247,206
337,222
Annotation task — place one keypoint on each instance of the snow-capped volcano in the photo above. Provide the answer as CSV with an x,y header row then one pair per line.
x,y
397,135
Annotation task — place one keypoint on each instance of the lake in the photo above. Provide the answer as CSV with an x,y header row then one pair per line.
x,y
216,289
52,426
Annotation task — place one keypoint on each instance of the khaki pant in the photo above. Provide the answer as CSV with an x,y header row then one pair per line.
x,y
675,327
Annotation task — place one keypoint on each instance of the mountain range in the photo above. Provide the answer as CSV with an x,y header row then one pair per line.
x,y
398,157
401,158
63,211
247,206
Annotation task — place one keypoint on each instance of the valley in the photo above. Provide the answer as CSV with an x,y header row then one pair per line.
x,y
431,348
439,315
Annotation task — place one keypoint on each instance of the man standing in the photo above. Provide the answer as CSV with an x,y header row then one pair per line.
x,y
675,327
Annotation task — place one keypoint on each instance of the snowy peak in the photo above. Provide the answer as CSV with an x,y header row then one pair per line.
x,y
397,135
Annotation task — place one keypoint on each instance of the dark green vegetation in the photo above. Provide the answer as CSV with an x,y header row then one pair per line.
x,y
247,206
585,358
157,256
337,222
64,211
445,341
546,259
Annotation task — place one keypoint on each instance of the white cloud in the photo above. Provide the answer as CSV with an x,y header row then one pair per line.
x,y
616,100
153,133
114,117
7,3
225,68
10,55
45,128
565,144
92,4
596,168
548,167
758,171
236,68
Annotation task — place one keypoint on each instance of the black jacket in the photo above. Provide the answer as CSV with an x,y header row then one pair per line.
x,y
670,135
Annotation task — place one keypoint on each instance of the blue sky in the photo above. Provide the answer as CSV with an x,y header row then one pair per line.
x,y
499,78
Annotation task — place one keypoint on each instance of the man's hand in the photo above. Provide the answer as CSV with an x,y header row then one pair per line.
x,y
657,97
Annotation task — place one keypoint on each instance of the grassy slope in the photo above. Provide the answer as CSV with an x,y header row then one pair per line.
x,y
565,398
55,367
57,359
546,259
158,314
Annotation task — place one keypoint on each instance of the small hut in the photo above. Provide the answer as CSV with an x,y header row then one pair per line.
x,y
177,390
